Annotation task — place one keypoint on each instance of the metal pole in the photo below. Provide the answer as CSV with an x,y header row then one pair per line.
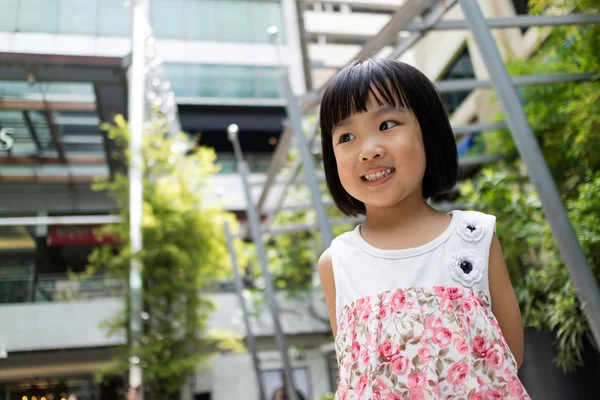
x,y
262,258
239,288
137,95
457,85
554,209
308,163
517,21
294,169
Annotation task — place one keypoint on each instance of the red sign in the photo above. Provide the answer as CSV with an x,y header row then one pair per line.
x,y
79,235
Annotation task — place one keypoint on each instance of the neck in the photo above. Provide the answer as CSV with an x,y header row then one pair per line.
x,y
411,210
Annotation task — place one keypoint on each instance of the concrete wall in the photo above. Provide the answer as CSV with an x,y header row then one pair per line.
x,y
59,325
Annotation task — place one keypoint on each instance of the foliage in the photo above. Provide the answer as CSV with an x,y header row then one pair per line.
x,y
566,121
183,251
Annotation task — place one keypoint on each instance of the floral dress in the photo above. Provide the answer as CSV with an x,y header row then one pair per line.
x,y
437,341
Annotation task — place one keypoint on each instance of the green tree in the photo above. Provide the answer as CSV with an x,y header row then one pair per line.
x,y
184,251
566,121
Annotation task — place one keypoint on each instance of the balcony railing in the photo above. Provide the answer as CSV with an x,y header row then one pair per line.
x,y
23,288
58,287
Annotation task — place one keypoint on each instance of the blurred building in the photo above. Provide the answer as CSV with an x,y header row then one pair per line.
x,y
63,71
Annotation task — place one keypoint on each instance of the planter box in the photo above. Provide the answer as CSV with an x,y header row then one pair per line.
x,y
544,380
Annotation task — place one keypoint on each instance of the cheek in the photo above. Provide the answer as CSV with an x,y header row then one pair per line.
x,y
413,152
346,168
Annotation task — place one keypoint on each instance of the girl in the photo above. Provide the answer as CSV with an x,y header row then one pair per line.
x,y
420,302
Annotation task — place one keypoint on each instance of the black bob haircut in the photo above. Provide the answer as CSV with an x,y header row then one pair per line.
x,y
399,85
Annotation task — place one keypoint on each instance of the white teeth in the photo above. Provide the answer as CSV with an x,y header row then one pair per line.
x,y
378,175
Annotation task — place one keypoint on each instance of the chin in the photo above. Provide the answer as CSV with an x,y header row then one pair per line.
x,y
380,202
384,200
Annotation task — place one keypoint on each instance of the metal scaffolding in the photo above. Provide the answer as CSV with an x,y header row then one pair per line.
x,y
408,18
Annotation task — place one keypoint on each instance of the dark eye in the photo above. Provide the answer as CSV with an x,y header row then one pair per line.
x,y
387,125
346,137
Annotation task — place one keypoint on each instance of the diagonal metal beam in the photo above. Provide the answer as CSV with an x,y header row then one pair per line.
x,y
293,173
32,132
294,169
277,161
399,21
434,16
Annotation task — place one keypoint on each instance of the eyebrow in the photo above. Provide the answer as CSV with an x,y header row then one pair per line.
x,y
382,110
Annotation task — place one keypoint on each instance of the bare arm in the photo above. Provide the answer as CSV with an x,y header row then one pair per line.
x,y
328,284
505,305
279,394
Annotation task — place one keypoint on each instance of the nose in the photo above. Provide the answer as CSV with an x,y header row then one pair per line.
x,y
370,151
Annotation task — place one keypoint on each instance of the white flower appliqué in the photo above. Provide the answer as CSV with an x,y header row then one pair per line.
x,y
470,230
466,267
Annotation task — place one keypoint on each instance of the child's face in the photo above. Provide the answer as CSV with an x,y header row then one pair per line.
x,y
380,155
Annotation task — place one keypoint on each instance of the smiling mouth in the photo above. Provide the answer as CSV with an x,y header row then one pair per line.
x,y
377,175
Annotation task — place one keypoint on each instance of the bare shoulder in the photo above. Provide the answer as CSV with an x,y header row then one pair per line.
x,y
325,261
325,267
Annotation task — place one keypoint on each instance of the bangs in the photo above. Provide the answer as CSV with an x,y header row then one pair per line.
x,y
350,91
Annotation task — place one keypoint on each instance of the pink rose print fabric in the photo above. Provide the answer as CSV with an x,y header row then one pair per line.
x,y
424,343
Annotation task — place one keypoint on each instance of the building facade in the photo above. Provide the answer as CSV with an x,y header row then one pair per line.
x,y
223,69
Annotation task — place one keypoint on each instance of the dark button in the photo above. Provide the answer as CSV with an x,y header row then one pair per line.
x,y
466,266
471,228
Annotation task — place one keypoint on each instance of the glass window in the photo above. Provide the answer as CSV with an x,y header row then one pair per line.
x,y
177,74
268,82
38,16
114,18
265,14
234,17
77,17
18,89
193,80
239,82
461,68
167,19
80,89
201,19
209,82
231,81
8,16
521,7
